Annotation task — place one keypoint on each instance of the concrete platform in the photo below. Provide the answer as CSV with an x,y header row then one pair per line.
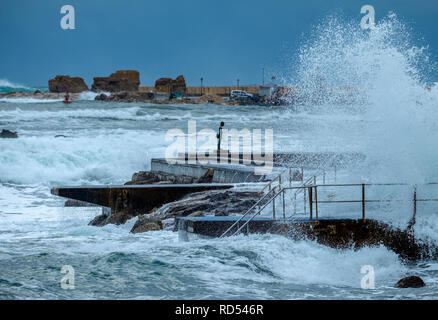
x,y
134,198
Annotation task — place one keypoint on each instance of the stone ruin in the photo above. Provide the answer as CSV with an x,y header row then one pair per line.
x,y
171,86
122,80
66,83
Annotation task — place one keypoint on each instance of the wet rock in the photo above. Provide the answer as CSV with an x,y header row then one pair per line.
x,y
168,224
359,233
145,226
212,202
78,203
158,177
37,91
41,95
117,218
8,134
99,221
127,96
196,214
410,282
121,80
66,83
101,97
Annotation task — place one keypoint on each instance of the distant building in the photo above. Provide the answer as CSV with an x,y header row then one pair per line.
x,y
267,90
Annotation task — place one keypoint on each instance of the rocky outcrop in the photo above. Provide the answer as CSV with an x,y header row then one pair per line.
x,y
410,282
37,95
8,134
122,80
207,203
78,203
158,177
119,217
148,226
358,233
177,86
123,211
210,98
99,221
126,96
67,83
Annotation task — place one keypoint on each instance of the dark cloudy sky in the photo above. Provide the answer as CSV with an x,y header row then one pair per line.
x,y
219,40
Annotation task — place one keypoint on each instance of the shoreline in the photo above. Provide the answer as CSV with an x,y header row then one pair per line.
x,y
125,96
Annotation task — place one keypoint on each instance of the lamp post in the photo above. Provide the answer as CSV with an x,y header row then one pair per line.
x,y
263,76
238,83
202,79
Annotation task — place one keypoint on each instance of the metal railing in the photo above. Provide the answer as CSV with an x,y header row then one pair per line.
x,y
266,196
271,192
279,178
312,191
313,196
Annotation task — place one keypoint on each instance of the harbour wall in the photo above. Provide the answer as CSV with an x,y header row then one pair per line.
x,y
216,90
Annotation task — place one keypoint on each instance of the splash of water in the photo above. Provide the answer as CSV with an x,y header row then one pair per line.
x,y
8,86
380,75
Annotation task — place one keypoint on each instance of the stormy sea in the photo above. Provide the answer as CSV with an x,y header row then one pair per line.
x,y
392,121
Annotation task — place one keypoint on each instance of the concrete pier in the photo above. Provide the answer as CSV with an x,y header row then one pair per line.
x,y
133,198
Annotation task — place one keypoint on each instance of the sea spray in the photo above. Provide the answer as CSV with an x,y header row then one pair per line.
x,y
379,76
380,69
8,86
76,159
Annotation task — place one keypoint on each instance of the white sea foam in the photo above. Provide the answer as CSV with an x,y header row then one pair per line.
x,y
99,158
7,83
29,100
90,95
